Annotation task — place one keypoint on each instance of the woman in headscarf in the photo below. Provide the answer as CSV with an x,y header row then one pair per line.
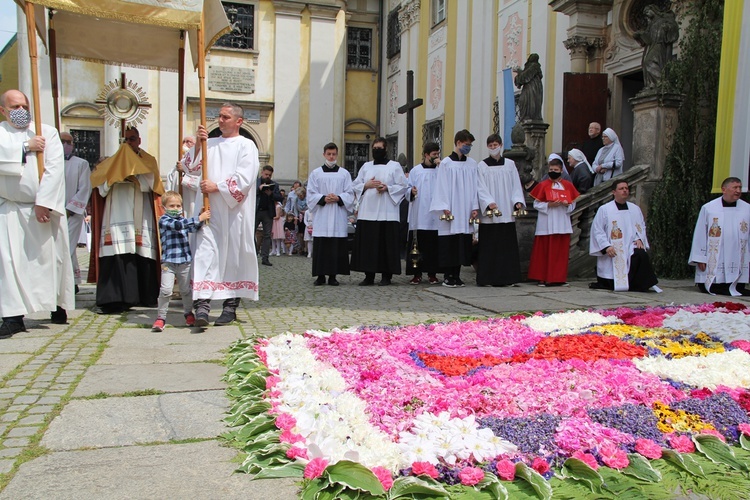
x,y
609,160
582,178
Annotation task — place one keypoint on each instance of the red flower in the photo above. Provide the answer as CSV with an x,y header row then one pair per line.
x,y
540,465
384,476
315,468
506,470
648,448
424,469
470,476
682,444
586,458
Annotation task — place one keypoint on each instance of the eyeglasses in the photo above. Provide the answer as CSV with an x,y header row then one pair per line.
x,y
131,138
65,141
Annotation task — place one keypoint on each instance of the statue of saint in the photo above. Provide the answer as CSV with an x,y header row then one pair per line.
x,y
529,80
657,38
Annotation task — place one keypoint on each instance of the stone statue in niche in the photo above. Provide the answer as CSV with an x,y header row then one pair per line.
x,y
529,80
657,37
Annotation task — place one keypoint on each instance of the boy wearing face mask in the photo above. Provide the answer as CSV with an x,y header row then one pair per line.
x,y
330,196
453,204
176,257
380,187
500,188
554,199
77,193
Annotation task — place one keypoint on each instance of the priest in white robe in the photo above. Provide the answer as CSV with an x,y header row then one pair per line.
x,y
125,257
225,265
330,198
423,223
499,263
77,194
380,186
720,251
619,243
453,204
35,268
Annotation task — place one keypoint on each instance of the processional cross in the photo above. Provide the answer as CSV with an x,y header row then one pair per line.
x,y
408,108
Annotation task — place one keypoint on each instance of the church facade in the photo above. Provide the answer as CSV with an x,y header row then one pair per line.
x,y
307,73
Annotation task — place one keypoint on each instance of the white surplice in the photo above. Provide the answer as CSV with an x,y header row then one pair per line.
x,y
374,205
224,261
620,229
455,190
502,185
77,193
128,224
331,219
35,266
420,216
720,241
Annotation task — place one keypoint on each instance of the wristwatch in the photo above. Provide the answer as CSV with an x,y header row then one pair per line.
x,y
26,147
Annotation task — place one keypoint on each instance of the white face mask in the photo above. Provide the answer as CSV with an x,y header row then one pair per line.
x,y
498,151
185,148
330,163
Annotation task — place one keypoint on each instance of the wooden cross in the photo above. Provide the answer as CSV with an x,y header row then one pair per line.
x,y
408,108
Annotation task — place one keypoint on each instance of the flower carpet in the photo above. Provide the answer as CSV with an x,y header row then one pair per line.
x,y
647,403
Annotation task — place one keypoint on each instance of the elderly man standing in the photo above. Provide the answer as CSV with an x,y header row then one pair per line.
x,y
35,270
594,143
720,251
224,263
77,193
619,243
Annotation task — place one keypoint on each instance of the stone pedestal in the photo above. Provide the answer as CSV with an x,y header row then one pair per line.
x,y
536,133
654,124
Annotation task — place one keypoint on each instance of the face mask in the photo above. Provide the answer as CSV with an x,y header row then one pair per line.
x,y
378,154
555,175
20,117
498,151
185,148
465,149
68,150
330,163
174,213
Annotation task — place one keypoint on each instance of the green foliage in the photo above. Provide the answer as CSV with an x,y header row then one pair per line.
x,y
688,171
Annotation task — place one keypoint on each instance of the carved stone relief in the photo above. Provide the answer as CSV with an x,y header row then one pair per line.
x,y
512,37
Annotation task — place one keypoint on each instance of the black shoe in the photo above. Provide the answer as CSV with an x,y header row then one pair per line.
x,y
266,262
367,282
201,320
449,282
76,289
320,281
10,328
384,282
225,318
597,286
59,316
333,281
460,283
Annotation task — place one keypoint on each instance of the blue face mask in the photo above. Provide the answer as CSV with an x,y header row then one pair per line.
x,y
465,149
174,213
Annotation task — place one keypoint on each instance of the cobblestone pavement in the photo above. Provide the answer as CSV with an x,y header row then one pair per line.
x,y
103,407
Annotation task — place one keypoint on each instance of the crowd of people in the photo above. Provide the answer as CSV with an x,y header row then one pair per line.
x,y
145,238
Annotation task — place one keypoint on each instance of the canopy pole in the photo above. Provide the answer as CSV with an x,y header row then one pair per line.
x,y
202,94
180,105
53,69
31,32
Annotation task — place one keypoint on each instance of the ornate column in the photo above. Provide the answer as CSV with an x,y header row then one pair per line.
x,y
586,32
